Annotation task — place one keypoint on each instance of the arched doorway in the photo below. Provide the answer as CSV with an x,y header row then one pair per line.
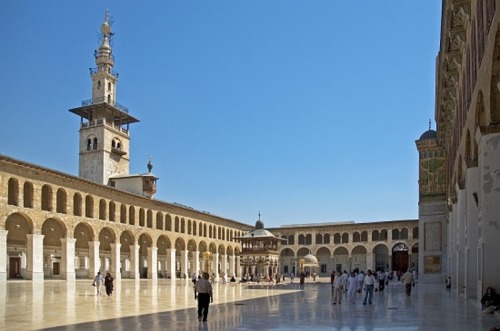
x,y
400,260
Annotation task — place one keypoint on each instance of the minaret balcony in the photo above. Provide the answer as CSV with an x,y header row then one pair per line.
x,y
97,101
102,121
94,71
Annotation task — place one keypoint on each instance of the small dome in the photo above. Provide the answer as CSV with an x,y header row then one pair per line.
x,y
429,134
259,224
309,258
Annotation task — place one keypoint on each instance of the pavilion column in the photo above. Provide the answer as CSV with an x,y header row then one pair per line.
x,y
134,261
35,256
115,261
184,263
231,265
171,263
196,262
153,262
215,261
223,263
3,255
68,258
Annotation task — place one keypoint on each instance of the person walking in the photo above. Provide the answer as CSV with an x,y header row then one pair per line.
x,y
408,280
203,293
108,283
369,283
98,281
352,288
337,289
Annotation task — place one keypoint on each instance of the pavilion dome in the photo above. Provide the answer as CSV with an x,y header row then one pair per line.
x,y
259,225
309,259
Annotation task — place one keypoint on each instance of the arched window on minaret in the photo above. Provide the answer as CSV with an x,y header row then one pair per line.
x,y
89,144
113,144
109,98
98,84
94,146
109,86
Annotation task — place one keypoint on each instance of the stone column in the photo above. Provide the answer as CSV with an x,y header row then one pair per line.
x,y
171,263
216,266
3,255
184,263
116,261
153,263
237,266
196,262
231,265
68,258
94,261
35,256
370,261
223,263
134,261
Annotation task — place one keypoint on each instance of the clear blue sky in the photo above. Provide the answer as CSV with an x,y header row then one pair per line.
x,y
307,111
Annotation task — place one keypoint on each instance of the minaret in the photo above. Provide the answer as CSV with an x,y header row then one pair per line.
x,y
104,123
432,209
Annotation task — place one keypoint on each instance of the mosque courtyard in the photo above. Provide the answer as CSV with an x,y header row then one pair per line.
x,y
163,304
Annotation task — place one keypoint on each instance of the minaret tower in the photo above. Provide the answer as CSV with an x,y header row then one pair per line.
x,y
104,123
432,209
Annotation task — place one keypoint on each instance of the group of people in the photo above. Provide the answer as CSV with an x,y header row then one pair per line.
x,y
107,281
370,282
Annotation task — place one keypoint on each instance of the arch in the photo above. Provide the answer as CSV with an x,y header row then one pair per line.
x,y
287,252
359,249
89,206
13,192
291,239
149,219
400,257
302,239
61,201
382,260
83,233
107,236
168,222
221,249
131,215
159,220
28,195
303,252
112,211
212,248
77,204
102,209
364,236
404,233
183,225
415,232
337,238
195,227
308,239
123,214
395,234
180,244
319,239
189,226
177,224
326,238
191,245
18,226
163,243
53,230
345,238
358,258
46,197
323,251
341,251
142,217
375,235
126,240
356,237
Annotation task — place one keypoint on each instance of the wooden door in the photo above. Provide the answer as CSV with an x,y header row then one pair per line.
x,y
14,267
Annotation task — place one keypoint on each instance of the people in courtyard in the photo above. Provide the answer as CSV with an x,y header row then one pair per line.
x,y
352,288
381,280
361,279
408,280
203,293
369,284
98,281
337,288
108,284
490,301
448,282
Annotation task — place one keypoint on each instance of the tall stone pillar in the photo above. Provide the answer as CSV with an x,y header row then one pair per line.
x,y
196,262
184,263
3,255
68,258
153,263
116,261
237,266
231,265
216,266
171,263
94,261
370,261
223,263
35,256
134,261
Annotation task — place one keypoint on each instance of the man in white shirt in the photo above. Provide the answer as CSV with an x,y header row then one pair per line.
x,y
369,283
337,288
203,292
